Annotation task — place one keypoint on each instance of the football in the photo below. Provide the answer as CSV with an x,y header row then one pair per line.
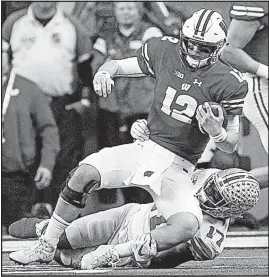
x,y
214,108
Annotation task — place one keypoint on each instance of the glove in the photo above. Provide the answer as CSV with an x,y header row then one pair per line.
x,y
102,83
139,130
144,248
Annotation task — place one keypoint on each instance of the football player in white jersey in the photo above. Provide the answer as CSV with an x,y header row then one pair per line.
x,y
122,233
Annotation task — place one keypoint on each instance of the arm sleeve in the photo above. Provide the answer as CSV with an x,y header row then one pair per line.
x,y
209,241
146,57
46,129
232,90
248,11
233,103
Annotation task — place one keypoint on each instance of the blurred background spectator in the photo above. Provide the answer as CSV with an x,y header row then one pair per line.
x,y
123,107
118,112
106,41
30,144
54,50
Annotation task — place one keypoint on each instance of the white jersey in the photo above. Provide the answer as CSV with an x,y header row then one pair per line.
x,y
206,244
209,240
125,223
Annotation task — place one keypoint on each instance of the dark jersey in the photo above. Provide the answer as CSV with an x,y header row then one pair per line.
x,y
257,48
178,93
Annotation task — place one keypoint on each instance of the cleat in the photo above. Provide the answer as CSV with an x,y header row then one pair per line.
x,y
26,228
42,251
104,255
41,227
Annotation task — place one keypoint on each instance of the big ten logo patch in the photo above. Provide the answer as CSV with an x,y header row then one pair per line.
x,y
179,74
28,41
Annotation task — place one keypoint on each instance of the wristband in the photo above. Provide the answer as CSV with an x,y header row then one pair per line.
x,y
103,73
221,137
262,71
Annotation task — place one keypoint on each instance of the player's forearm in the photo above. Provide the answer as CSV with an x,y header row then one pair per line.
x,y
229,145
227,140
172,257
261,174
239,59
112,67
122,68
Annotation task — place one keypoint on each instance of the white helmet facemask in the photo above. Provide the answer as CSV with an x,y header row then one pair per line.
x,y
196,63
205,28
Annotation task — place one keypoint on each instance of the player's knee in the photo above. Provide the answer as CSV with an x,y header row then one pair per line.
x,y
80,177
81,181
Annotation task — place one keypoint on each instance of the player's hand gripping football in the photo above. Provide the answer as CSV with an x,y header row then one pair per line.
x,y
208,121
140,130
102,83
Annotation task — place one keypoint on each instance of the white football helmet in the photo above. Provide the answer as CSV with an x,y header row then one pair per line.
x,y
229,193
206,29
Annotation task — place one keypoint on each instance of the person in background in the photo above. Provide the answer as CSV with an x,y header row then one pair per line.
x,y
247,50
120,111
123,108
30,144
52,49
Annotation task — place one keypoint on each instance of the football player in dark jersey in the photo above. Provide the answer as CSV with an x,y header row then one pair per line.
x,y
247,50
188,75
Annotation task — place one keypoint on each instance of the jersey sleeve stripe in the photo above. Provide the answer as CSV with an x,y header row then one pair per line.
x,y
244,8
247,11
146,52
199,249
238,101
254,14
232,106
146,57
